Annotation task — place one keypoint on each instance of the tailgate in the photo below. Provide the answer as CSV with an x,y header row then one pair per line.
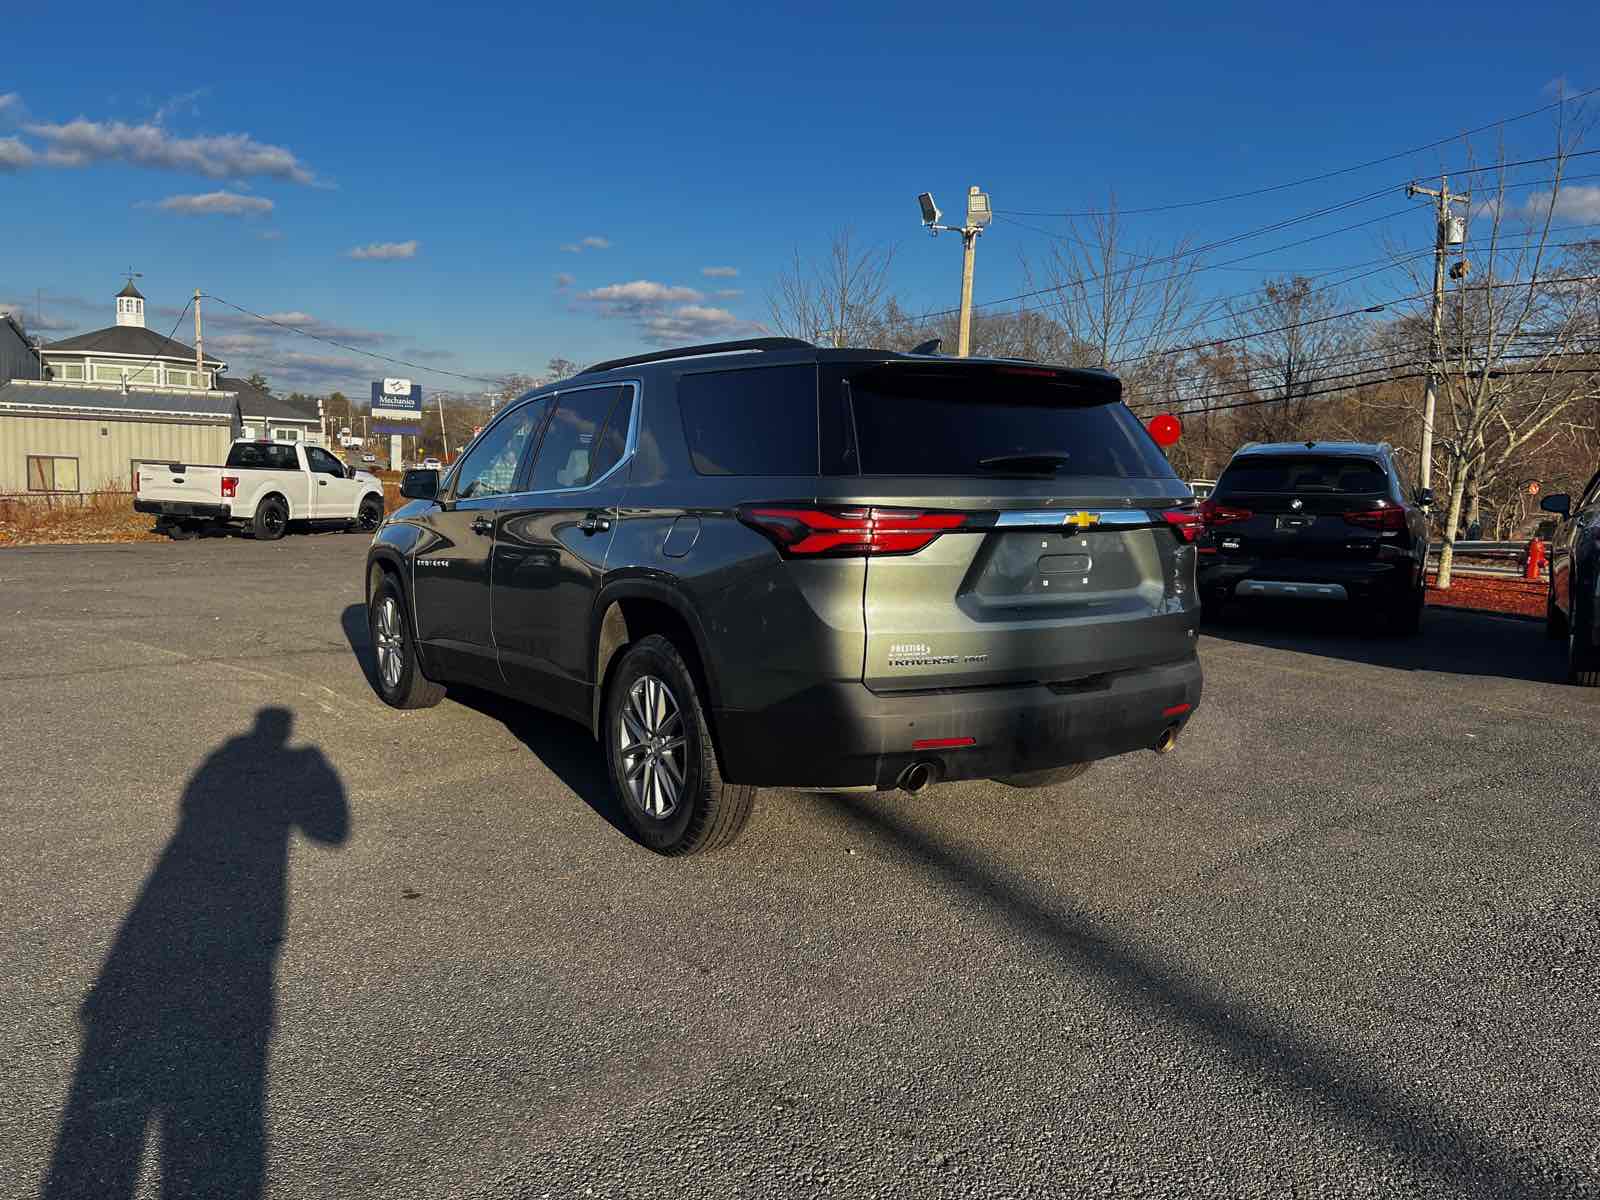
x,y
1038,595
179,482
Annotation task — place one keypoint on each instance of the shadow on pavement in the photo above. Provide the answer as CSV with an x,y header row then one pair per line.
x,y
178,1024
1452,641
562,745
1426,1138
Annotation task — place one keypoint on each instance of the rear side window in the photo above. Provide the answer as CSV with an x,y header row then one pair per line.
x,y
574,441
1304,475
758,421
970,422
264,456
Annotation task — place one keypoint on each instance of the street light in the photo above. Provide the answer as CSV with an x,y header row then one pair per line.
x,y
979,215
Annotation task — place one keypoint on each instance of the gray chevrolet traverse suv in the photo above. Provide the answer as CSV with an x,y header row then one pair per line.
x,y
764,564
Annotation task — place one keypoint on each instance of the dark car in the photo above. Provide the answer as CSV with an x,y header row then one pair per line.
x,y
1316,521
1573,606
761,564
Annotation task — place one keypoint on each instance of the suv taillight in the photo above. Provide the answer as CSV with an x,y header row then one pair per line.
x,y
1186,523
847,532
1386,520
230,487
1214,514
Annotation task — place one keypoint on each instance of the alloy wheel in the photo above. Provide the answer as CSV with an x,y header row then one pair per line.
x,y
650,736
391,643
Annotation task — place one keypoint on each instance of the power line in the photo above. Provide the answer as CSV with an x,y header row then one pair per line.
x,y
345,345
1278,187
158,355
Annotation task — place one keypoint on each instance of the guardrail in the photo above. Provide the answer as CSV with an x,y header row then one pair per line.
x,y
1514,554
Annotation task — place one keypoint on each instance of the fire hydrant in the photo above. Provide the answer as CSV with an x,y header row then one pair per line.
x,y
1533,563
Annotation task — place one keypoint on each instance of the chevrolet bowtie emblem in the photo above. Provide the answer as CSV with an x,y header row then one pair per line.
x,y
1082,519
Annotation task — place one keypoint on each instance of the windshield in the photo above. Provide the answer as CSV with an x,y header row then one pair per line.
x,y
990,422
1307,474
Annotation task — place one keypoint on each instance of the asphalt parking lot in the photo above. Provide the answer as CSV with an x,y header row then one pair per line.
x,y
258,931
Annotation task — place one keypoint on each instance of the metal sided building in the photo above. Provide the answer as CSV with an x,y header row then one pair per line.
x,y
69,438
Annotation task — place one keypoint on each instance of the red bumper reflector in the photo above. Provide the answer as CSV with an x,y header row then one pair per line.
x,y
943,743
1177,710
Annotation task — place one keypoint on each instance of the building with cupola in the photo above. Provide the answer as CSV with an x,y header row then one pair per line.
x,y
127,353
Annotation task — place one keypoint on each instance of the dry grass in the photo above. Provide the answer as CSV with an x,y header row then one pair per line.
x,y
103,516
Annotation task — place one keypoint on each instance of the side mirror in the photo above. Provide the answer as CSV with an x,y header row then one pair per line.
x,y
420,485
1557,502
1425,497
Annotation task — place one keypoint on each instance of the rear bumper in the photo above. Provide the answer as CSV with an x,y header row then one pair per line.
x,y
182,508
843,735
1305,579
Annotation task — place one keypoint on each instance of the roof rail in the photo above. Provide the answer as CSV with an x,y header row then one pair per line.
x,y
766,343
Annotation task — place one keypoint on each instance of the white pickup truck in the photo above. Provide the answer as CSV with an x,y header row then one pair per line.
x,y
264,485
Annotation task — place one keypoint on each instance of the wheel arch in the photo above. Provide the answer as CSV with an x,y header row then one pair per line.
x,y
631,609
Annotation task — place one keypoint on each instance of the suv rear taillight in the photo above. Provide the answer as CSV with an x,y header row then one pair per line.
x,y
1386,520
1214,514
1186,523
230,487
847,532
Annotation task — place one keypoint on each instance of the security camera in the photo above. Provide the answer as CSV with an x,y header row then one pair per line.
x,y
930,210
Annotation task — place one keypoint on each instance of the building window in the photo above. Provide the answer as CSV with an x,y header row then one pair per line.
x,y
177,378
107,373
67,371
47,474
282,433
247,431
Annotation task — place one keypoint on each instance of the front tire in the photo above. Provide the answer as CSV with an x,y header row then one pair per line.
x,y
398,677
1583,658
660,758
1555,621
271,520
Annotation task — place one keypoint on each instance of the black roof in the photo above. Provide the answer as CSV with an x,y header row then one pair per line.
x,y
258,402
106,397
792,350
1370,449
129,290
128,339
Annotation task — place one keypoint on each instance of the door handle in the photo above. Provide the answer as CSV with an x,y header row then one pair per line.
x,y
483,525
322,483
595,523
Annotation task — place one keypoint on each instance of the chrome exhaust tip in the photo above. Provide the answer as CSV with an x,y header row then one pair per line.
x,y
1168,740
916,777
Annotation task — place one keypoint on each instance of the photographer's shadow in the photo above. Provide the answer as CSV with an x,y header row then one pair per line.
x,y
178,1025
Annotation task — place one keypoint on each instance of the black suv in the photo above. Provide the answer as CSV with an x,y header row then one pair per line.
x,y
1573,608
761,564
1316,521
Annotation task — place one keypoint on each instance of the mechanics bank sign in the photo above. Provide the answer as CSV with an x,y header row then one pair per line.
x,y
396,401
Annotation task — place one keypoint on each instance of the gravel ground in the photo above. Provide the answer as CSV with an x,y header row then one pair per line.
x,y
259,932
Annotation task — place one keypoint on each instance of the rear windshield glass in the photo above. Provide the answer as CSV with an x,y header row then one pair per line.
x,y
751,422
983,423
1304,475
265,456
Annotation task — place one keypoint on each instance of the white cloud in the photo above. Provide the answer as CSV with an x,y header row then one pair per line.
x,y
729,293
384,250
227,204
694,323
564,281
10,104
82,142
720,272
1579,204
15,155
180,103
642,291
592,242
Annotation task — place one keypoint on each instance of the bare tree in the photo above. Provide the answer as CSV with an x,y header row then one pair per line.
x,y
839,300
1519,355
1120,307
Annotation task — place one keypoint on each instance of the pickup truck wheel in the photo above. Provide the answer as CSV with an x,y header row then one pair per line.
x,y
398,676
371,514
270,521
662,764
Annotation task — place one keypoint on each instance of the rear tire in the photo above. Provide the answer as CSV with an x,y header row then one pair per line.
x,y
1583,659
271,520
398,677
1043,779
370,515
1406,618
659,754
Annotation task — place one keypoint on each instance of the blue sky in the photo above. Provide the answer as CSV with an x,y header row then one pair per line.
x,y
250,152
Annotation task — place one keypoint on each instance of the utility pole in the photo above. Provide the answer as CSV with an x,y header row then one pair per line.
x,y
1449,230
199,354
443,436
978,217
